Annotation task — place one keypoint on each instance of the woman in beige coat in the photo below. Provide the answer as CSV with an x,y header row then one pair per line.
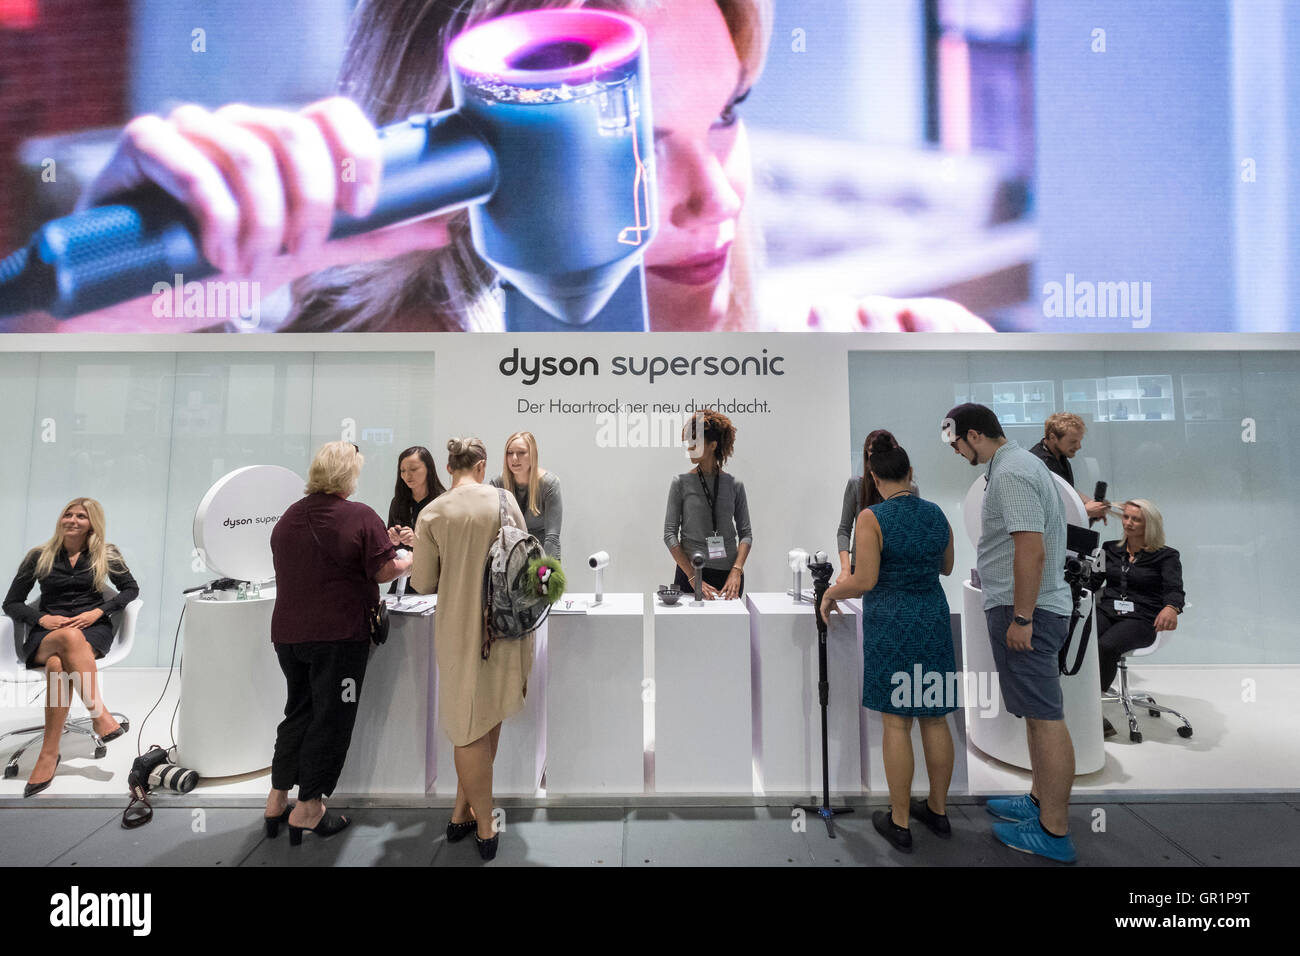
x,y
452,538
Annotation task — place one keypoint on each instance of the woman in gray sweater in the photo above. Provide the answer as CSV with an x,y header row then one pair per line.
x,y
708,512
535,489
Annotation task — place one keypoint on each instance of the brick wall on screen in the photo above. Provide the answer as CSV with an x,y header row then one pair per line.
x,y
63,67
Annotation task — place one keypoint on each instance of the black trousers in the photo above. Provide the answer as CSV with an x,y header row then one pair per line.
x,y
324,683
1116,638
713,577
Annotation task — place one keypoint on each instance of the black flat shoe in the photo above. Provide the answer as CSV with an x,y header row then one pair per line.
x,y
937,822
487,849
458,831
122,728
1107,728
34,788
900,837
330,824
273,823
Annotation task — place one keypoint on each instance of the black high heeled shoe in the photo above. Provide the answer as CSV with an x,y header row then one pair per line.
x,y
330,824
487,849
273,823
458,831
122,728
34,788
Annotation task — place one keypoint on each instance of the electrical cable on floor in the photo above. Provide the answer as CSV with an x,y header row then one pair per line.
x,y
170,668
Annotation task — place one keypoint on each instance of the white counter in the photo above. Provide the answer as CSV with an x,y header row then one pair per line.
x,y
594,726
703,706
787,710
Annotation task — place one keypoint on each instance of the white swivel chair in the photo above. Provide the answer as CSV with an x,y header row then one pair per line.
x,y
14,670
1128,698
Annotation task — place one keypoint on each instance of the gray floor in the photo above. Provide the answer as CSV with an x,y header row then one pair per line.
x,y
1228,830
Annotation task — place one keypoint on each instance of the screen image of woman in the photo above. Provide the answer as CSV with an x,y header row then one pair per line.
x,y
536,491
72,626
263,185
479,686
708,511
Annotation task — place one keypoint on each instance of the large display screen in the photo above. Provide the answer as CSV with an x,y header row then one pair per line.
x,y
820,165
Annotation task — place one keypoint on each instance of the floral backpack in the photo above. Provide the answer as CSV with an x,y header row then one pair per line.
x,y
520,583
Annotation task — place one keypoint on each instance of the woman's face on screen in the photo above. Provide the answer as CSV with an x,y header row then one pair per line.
x,y
702,163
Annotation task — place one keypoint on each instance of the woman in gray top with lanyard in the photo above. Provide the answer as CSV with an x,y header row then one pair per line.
x,y
859,495
707,511
535,489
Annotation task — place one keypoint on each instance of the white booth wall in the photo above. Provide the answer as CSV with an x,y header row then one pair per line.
x,y
146,433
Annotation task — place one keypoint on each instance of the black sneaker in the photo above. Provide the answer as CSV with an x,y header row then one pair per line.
x,y
1107,728
937,822
900,837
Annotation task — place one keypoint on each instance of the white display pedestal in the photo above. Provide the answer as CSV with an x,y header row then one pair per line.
x,y
232,689
594,724
787,710
521,750
1001,735
388,753
703,712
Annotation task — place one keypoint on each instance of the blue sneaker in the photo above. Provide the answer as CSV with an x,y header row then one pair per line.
x,y
1015,809
1028,836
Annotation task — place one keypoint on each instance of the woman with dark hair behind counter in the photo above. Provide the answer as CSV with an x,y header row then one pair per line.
x,y
860,493
417,485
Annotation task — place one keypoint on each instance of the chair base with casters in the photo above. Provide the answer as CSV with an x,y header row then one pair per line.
x,y
14,670
77,725
1129,699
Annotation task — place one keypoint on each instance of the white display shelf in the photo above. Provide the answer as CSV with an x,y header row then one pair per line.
x,y
1203,395
1015,403
1126,398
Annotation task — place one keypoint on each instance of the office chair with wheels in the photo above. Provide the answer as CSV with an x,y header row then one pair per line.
x,y
1129,699
14,670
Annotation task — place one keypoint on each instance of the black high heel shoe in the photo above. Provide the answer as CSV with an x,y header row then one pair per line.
x,y
487,849
330,824
122,728
458,831
34,788
273,823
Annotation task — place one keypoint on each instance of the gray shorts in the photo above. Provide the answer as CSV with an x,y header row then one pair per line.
x,y
1030,680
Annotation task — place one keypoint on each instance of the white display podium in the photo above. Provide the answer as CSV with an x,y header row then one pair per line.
x,y
595,733
389,749
787,710
521,749
1001,735
232,689
703,705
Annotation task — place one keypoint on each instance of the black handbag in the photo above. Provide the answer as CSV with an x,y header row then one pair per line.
x,y
376,616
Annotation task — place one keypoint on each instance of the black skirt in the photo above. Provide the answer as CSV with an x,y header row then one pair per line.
x,y
98,635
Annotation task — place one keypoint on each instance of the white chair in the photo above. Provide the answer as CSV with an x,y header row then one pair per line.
x,y
1128,698
14,670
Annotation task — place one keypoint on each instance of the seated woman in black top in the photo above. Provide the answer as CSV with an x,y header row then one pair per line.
x,y
1144,588
73,627
417,485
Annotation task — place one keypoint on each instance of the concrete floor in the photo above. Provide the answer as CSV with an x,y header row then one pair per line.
x,y
1224,830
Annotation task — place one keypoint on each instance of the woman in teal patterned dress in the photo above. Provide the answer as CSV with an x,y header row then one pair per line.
x,y
904,544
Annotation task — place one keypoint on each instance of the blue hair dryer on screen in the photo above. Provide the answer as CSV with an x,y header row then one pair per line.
x,y
550,145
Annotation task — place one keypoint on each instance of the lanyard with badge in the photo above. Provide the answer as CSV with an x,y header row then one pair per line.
x,y
1124,605
713,543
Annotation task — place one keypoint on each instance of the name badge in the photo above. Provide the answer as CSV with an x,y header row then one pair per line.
x,y
716,548
1124,607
